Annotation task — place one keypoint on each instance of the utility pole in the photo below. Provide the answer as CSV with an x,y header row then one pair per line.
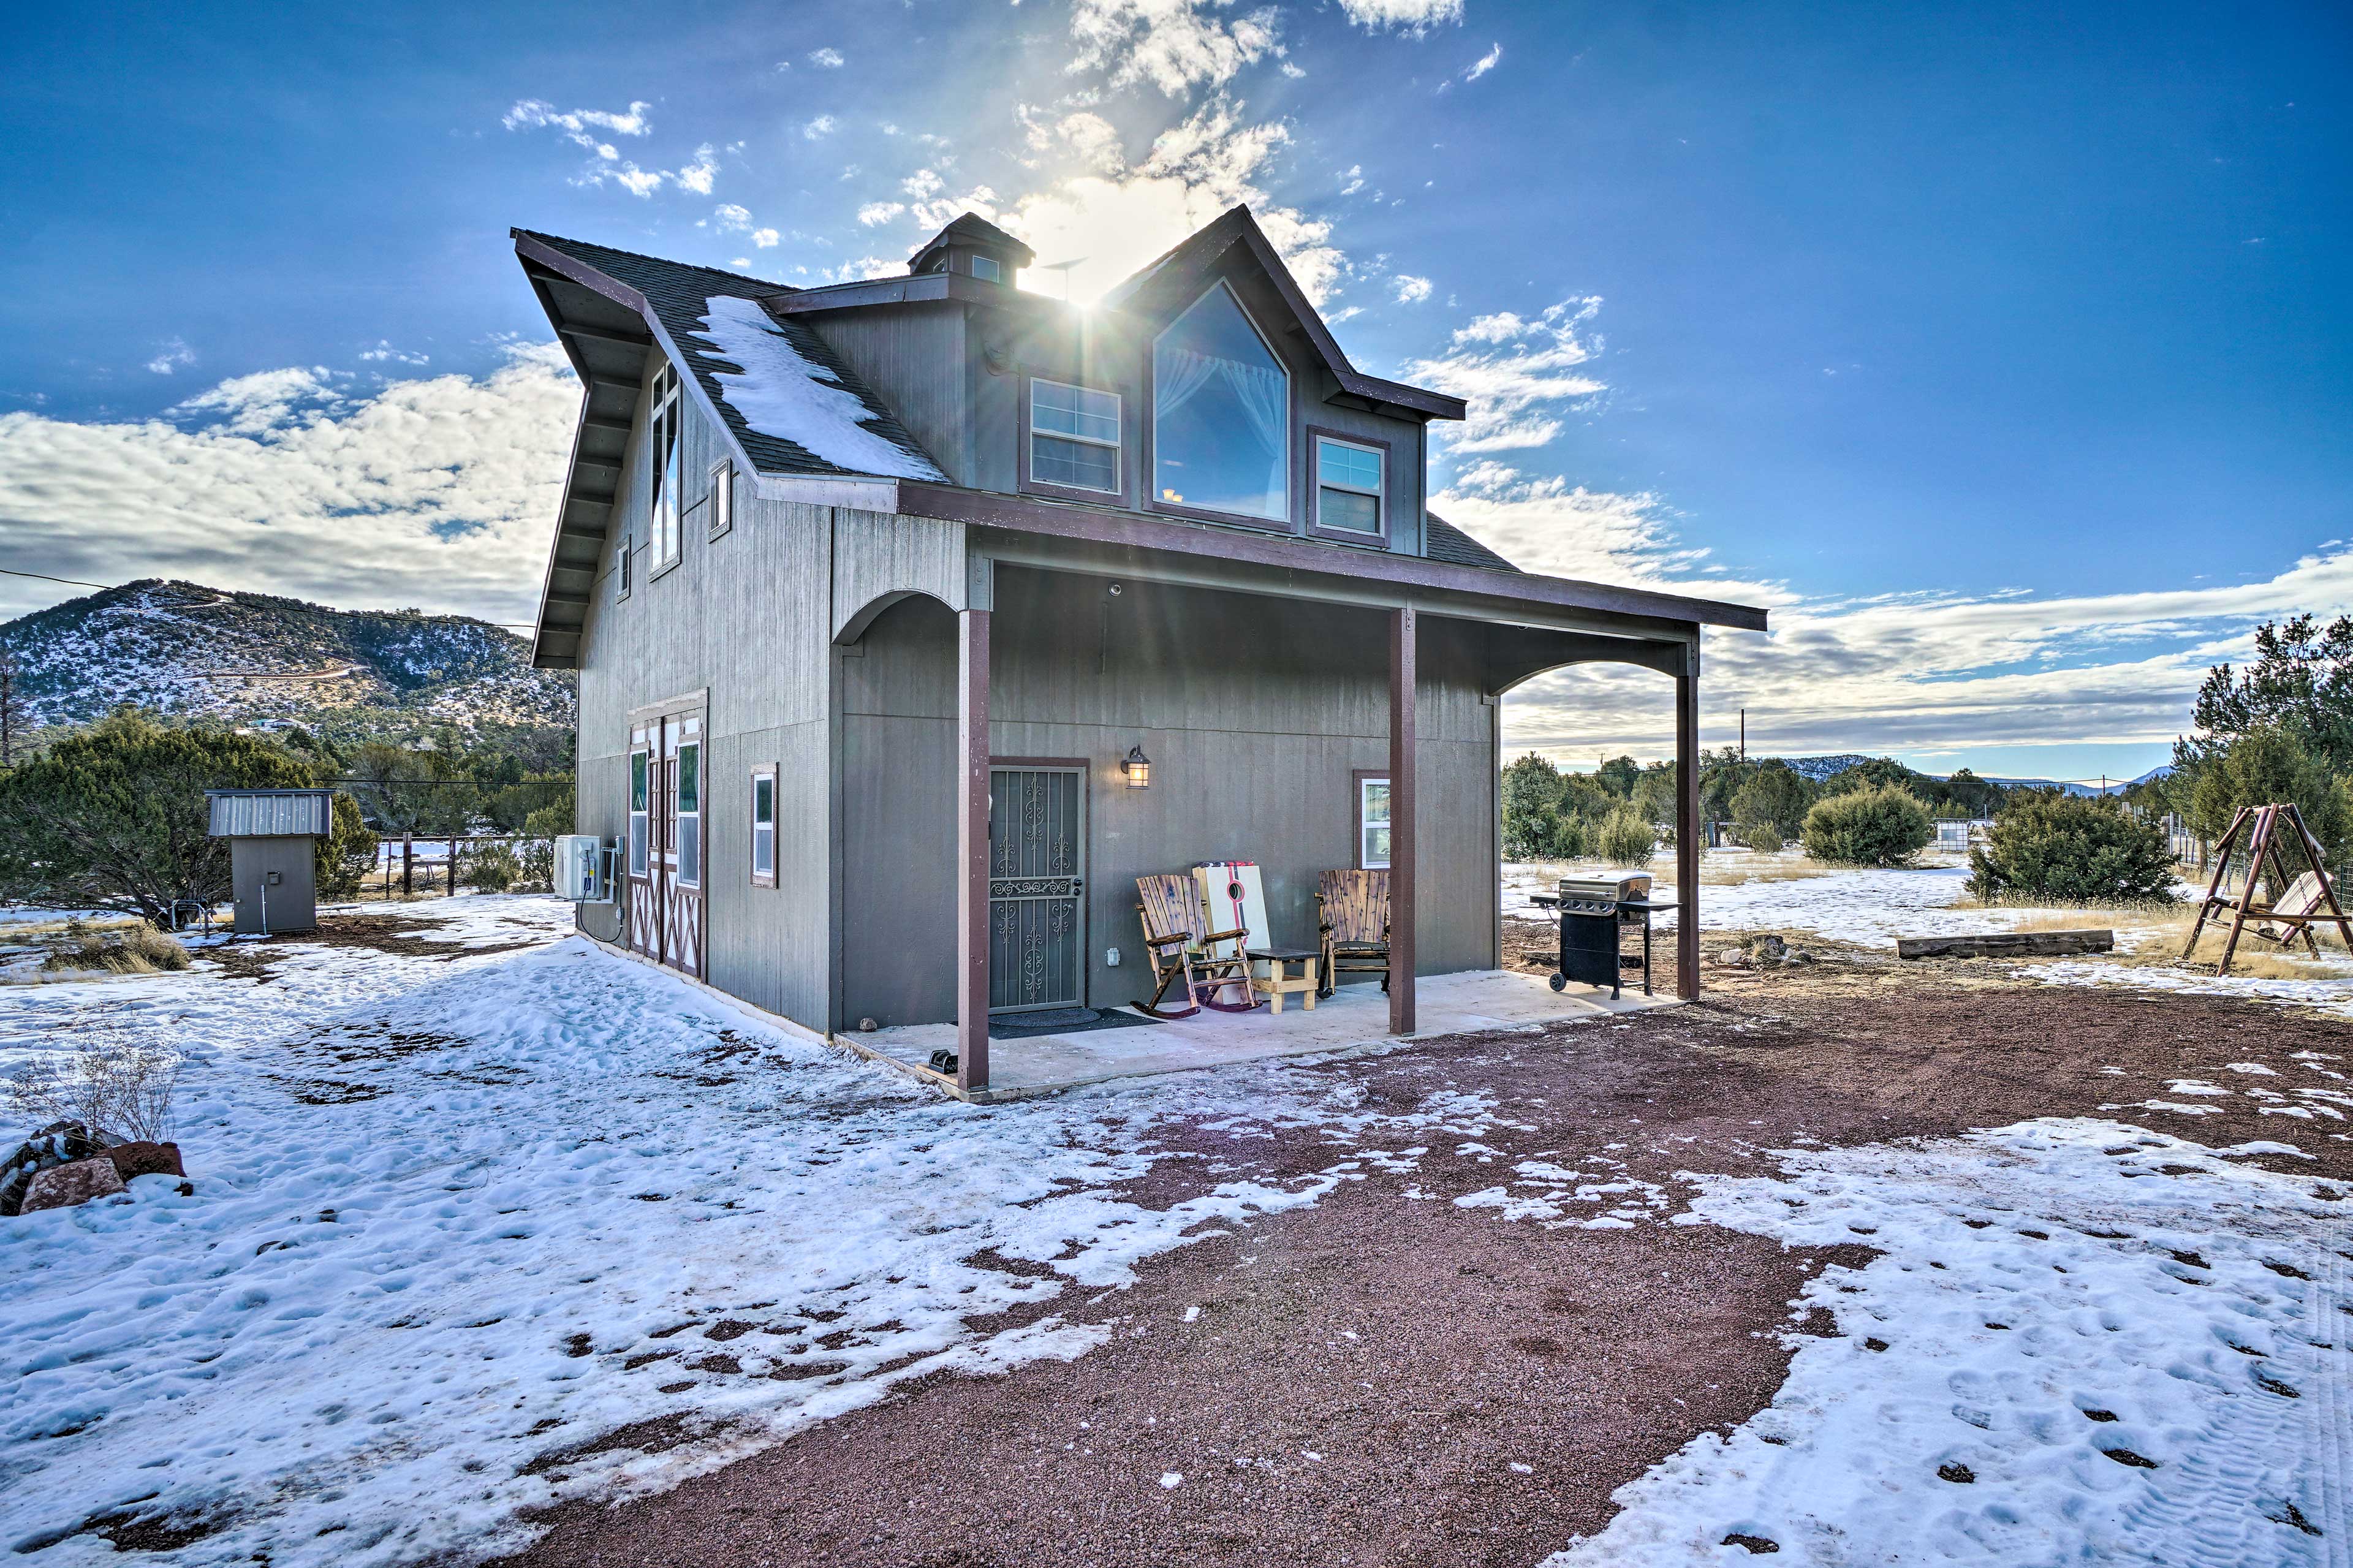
x,y
1744,735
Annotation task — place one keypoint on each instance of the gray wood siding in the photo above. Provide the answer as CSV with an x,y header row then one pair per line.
x,y
915,357
749,616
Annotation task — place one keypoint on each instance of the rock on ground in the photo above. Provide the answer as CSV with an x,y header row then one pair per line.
x,y
63,1186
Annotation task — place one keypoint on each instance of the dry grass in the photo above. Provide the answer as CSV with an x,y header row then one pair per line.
x,y
140,950
67,925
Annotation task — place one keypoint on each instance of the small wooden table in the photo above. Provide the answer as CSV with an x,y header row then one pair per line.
x,y
1283,983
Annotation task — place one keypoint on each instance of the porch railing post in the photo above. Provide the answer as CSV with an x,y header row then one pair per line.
x,y
972,849
1687,824
1402,630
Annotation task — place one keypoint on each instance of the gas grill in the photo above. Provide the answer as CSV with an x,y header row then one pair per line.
x,y
1594,914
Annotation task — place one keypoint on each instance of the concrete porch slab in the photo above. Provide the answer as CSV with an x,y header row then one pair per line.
x,y
1353,1017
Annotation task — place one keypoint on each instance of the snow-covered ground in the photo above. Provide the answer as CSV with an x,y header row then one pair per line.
x,y
2081,1342
454,1215
1870,908
459,1214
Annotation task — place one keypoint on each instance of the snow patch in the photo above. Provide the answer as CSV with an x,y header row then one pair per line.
x,y
781,393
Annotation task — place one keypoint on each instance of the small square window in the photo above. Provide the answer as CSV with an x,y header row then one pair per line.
x,y
723,497
985,268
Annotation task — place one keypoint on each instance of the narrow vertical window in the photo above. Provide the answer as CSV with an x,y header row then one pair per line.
x,y
638,792
1073,436
621,569
723,497
764,828
667,456
689,815
1373,823
1347,488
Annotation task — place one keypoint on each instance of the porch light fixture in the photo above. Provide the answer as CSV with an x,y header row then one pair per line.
x,y
1138,767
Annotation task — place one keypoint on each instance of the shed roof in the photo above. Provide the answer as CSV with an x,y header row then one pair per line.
x,y
269,813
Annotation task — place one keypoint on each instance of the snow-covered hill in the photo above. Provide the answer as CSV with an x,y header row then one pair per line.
x,y
249,659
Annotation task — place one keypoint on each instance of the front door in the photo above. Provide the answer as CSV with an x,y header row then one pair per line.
x,y
665,870
1036,887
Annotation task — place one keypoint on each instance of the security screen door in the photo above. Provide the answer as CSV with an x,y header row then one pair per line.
x,y
1036,887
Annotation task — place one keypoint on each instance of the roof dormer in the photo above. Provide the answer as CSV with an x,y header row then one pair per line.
x,y
976,247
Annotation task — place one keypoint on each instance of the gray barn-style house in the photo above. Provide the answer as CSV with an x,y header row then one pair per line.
x,y
838,567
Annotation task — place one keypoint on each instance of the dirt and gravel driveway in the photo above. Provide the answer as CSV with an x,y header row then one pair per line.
x,y
1389,1378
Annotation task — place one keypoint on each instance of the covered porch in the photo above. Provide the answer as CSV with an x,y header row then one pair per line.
x,y
1352,1017
1255,685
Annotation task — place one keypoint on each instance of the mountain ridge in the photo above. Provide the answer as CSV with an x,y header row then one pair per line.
x,y
256,659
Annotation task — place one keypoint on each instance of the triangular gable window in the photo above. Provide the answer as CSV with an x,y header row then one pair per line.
x,y
1220,414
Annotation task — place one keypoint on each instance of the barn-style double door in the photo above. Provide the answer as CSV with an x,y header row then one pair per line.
x,y
666,848
1036,887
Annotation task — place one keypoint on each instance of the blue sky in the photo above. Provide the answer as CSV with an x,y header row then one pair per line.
x,y
2004,352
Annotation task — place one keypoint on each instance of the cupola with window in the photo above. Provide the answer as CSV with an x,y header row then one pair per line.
x,y
976,247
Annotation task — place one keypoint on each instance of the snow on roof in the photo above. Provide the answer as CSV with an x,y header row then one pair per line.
x,y
782,392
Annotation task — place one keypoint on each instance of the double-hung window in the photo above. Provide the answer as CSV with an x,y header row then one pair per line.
x,y
1349,488
639,789
667,457
764,828
1372,822
1073,436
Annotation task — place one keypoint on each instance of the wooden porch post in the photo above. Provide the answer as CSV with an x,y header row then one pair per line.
x,y
1687,825
1402,818
972,849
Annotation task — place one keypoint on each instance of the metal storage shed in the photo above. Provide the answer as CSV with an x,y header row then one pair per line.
x,y
271,835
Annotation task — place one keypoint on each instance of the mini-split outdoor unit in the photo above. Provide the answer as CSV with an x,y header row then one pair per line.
x,y
584,868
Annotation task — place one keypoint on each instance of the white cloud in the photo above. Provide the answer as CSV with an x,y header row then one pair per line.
x,y
730,219
875,213
533,113
384,350
1484,64
1411,290
765,238
1170,44
171,356
818,129
1292,70
1109,218
1406,16
923,183
1510,370
863,267
826,58
698,175
438,492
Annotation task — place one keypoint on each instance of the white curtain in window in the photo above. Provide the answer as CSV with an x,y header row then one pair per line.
x,y
1265,398
1178,373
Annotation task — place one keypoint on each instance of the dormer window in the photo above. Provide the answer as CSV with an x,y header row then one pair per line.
x,y
1220,414
985,268
1348,492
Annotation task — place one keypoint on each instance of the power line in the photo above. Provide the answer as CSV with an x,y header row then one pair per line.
x,y
68,581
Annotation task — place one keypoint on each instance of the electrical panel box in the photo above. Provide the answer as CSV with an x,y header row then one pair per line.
x,y
583,870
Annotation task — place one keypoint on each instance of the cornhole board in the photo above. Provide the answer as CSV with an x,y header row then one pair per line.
x,y
1236,897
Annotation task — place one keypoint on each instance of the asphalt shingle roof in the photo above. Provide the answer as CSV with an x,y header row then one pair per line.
x,y
678,295
1446,542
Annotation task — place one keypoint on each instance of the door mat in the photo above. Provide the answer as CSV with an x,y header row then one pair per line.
x,y
1063,1021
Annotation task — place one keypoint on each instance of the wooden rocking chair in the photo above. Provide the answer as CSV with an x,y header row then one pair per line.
x,y
1352,915
1179,946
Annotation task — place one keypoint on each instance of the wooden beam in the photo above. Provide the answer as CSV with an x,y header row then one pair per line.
x,y
1403,759
972,849
602,422
1687,829
621,335
2007,944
